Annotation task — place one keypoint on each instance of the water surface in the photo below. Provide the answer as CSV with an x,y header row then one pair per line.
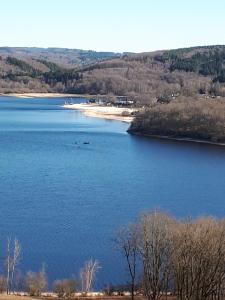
x,y
64,199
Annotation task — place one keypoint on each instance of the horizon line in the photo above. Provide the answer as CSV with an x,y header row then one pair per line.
x,y
116,52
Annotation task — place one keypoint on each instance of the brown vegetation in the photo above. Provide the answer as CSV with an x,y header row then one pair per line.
x,y
64,288
147,77
158,76
69,58
36,283
185,258
146,81
198,120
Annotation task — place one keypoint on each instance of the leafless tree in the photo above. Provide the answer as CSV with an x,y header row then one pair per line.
x,y
199,259
184,257
64,288
36,283
88,275
3,285
15,259
127,242
13,251
8,265
155,251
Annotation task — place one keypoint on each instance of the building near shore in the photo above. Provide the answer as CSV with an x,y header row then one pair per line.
x,y
124,101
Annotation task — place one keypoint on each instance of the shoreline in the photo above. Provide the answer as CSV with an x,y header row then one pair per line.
x,y
103,112
190,140
44,95
89,110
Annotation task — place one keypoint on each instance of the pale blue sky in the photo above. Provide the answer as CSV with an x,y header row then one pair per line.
x,y
112,25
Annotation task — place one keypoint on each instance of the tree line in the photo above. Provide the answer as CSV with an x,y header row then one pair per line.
x,y
184,258
163,255
35,283
203,63
198,120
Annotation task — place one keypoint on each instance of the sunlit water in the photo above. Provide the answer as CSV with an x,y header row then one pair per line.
x,y
64,199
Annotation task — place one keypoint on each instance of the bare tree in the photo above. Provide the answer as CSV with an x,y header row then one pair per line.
x,y
2,284
88,275
155,251
15,259
187,257
13,251
127,242
36,283
64,288
199,259
8,265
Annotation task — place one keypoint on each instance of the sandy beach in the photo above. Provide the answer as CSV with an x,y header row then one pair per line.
x,y
104,112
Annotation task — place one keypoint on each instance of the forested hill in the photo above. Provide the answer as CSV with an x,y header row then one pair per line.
x,y
160,76
70,58
44,69
196,110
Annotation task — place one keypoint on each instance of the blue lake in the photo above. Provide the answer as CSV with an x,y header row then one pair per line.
x,y
64,199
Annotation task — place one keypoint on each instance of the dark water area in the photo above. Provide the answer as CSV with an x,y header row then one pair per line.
x,y
64,199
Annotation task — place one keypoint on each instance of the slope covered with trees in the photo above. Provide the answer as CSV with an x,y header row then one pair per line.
x,y
44,70
18,76
159,76
153,77
61,56
199,120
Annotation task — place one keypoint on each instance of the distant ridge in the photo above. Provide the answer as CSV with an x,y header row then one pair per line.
x,y
63,56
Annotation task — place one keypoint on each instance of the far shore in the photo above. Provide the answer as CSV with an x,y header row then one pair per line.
x,y
104,112
44,95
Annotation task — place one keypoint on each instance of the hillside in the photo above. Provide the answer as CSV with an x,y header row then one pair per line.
x,y
160,76
70,58
43,70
